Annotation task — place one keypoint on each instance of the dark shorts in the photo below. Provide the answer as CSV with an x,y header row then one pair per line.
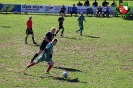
x,y
29,31
43,45
61,27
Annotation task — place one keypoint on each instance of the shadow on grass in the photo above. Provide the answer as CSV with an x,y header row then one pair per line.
x,y
70,38
68,69
34,44
91,36
66,79
128,18
75,80
5,26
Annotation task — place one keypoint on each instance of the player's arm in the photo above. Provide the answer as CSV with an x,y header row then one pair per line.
x,y
84,19
46,39
28,24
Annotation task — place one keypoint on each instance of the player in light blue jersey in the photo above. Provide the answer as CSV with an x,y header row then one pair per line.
x,y
80,21
46,55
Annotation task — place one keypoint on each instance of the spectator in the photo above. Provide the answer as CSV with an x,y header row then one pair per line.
x,y
74,10
79,4
95,4
113,4
87,3
99,11
105,3
63,9
105,10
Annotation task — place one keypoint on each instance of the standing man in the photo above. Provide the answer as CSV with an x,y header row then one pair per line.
x,y
29,30
80,20
47,38
74,10
61,20
46,55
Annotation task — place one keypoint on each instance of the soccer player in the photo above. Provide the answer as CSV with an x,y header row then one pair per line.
x,y
61,20
29,30
46,55
80,20
47,38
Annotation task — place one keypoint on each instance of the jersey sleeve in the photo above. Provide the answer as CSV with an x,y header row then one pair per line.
x,y
47,35
48,45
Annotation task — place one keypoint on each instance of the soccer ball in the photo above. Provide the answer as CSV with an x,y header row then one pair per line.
x,y
65,74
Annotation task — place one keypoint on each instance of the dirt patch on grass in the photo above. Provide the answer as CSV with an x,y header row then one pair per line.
x,y
5,45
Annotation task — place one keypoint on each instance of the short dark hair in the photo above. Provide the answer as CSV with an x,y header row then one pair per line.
x,y
55,40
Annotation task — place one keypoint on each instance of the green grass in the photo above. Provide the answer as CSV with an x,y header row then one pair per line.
x,y
101,58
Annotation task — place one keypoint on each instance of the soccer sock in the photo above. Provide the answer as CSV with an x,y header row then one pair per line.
x,y
49,67
35,56
25,39
31,64
62,31
33,39
57,31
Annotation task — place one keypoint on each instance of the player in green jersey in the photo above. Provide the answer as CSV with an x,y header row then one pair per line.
x,y
80,20
46,55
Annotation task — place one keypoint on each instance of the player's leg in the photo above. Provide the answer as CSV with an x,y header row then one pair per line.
x,y
76,13
50,64
79,28
26,38
71,13
42,47
32,33
40,59
33,39
57,31
62,31
38,53
27,34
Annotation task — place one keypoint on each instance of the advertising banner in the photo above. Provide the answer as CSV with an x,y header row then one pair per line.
x,y
10,8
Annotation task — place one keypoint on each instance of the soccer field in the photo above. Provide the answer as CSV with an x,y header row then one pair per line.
x,y
101,58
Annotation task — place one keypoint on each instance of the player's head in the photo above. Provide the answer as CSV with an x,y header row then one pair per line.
x,y
53,30
81,13
30,17
54,41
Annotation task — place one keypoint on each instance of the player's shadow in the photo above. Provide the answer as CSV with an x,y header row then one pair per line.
x,y
68,69
91,36
128,18
75,80
70,38
34,44
5,26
